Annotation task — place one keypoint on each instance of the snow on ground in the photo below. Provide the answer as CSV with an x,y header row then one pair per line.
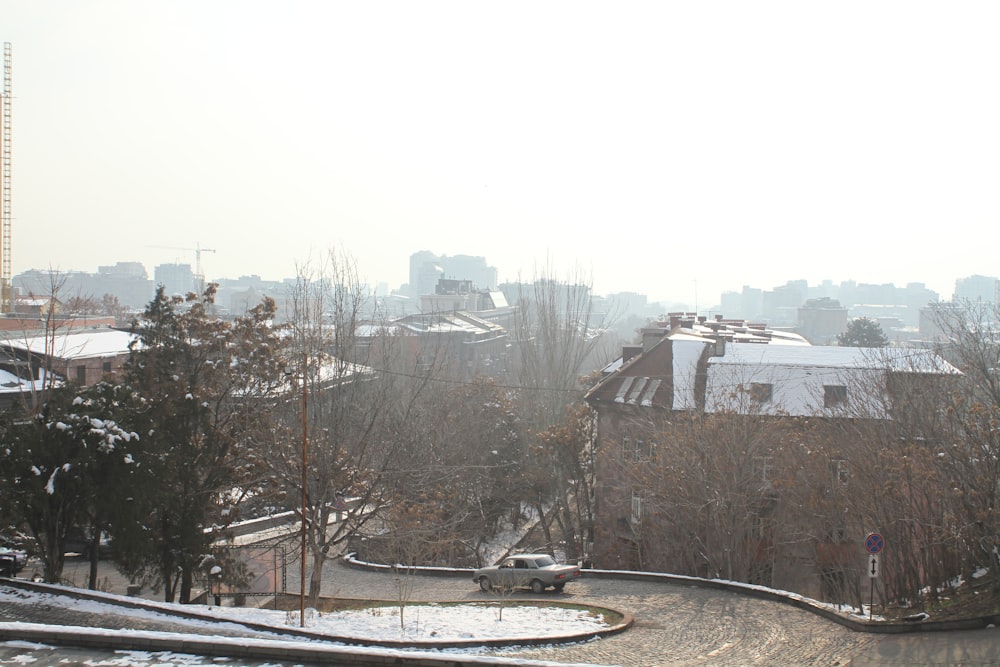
x,y
421,622
509,537
432,622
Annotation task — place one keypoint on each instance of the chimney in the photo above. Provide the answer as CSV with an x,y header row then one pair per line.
x,y
629,352
651,337
720,347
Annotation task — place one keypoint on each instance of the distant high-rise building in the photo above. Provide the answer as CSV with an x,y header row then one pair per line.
x,y
467,267
127,281
977,288
175,278
748,304
780,306
422,264
821,320
426,269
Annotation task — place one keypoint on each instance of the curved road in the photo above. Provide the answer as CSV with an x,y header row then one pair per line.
x,y
681,625
689,625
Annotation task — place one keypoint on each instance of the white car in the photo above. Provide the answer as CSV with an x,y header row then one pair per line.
x,y
534,571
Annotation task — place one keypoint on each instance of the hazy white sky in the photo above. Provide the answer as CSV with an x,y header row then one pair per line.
x,y
676,149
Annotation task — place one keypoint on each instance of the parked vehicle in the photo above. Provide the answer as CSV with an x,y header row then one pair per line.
x,y
534,571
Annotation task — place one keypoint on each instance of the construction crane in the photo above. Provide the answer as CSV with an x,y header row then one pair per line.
x,y
197,250
6,102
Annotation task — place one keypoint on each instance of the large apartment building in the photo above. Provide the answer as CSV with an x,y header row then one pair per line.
x,y
740,392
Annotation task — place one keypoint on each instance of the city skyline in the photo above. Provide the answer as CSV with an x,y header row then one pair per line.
x,y
690,149
118,268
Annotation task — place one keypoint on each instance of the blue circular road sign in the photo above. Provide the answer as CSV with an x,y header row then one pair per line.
x,y
874,543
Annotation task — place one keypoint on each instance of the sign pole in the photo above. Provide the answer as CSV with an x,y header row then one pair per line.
x,y
871,598
874,543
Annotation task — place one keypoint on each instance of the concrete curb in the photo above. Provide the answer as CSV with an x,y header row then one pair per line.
x,y
804,603
251,649
296,633
761,592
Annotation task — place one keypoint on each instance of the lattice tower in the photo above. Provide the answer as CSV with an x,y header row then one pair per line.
x,y
7,102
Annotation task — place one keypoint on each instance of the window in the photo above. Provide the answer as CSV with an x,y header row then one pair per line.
x,y
635,518
761,392
840,470
834,396
635,449
107,366
81,375
762,466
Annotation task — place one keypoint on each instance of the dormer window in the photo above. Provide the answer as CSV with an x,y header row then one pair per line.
x,y
761,392
834,396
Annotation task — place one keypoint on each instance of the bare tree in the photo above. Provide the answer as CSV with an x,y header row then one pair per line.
x,y
715,493
37,370
560,472
345,431
419,530
557,335
969,454
885,476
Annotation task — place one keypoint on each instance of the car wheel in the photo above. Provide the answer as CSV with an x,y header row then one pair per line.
x,y
484,584
537,586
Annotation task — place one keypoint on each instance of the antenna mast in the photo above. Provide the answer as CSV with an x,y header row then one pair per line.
x,y
7,101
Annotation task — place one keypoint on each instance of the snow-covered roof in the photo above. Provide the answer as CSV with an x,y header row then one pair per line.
x,y
454,322
10,383
330,371
82,345
372,330
738,332
30,301
685,370
499,299
898,360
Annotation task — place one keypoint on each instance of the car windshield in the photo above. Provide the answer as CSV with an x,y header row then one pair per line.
x,y
544,561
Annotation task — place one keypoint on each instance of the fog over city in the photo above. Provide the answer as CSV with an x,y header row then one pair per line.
x,y
674,149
